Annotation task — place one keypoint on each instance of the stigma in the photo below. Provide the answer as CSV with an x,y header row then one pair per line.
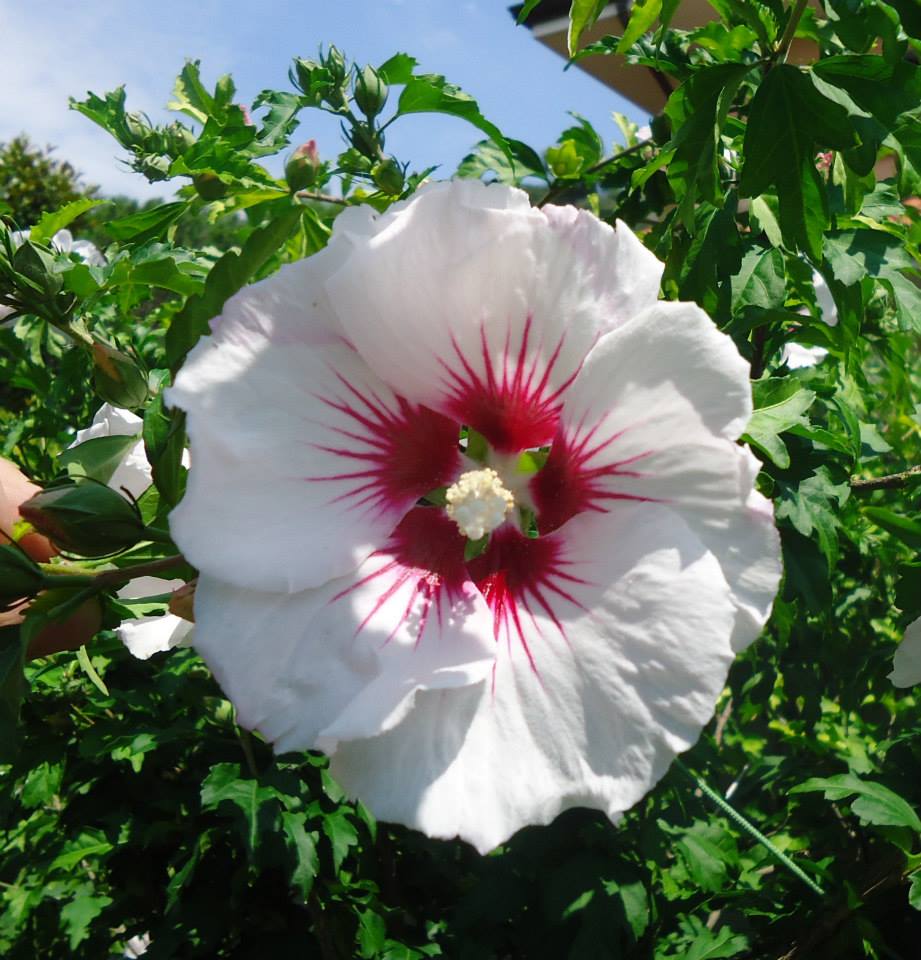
x,y
478,503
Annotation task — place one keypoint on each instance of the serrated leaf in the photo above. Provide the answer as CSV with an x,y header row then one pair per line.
x,y
372,932
341,833
77,915
761,282
875,803
430,93
769,421
813,508
398,69
56,220
787,120
704,861
304,845
224,784
710,945
147,224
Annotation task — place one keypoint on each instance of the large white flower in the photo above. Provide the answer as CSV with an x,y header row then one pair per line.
x,y
906,664
144,636
336,607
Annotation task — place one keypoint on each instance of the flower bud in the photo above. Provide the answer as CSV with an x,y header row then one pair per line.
x,y
388,176
303,166
370,92
20,577
334,62
117,378
209,186
182,601
85,517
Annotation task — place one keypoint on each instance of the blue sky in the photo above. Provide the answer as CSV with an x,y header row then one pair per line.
x,y
60,49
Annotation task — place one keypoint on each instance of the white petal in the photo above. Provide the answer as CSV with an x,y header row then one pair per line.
x,y
304,461
651,418
62,241
907,660
149,635
482,307
796,356
609,664
347,659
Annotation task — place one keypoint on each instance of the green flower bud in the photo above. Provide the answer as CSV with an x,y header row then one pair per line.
x,y
20,578
334,62
370,92
118,379
388,176
209,186
85,517
303,166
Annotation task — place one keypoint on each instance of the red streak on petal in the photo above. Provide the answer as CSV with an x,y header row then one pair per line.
x,y
568,484
516,410
392,454
518,573
425,551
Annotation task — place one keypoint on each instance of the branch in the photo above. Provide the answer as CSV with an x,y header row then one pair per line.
x,y
111,578
323,198
889,482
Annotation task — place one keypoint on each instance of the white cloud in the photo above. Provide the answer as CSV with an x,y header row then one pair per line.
x,y
55,51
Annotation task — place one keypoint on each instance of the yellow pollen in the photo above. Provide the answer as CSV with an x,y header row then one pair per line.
x,y
478,503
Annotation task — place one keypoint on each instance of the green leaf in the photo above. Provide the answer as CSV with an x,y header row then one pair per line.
x,y
582,16
279,123
901,527
227,276
788,118
42,784
704,860
164,444
761,282
813,508
97,458
398,69
781,410
875,803
147,224
191,97
697,110
857,253
914,892
83,658
372,932
304,845
87,845
55,220
526,9
710,945
341,833
225,785
77,915
430,93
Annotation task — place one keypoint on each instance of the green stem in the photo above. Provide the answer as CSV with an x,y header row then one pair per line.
x,y
109,578
157,535
783,48
749,828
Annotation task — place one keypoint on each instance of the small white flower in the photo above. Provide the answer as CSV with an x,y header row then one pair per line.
x,y
146,635
907,660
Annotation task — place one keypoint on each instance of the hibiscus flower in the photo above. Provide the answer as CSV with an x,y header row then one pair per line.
x,y
483,533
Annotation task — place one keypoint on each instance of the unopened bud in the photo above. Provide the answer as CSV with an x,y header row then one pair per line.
x,y
370,92
303,166
334,62
247,116
182,601
118,379
20,578
388,176
85,517
209,186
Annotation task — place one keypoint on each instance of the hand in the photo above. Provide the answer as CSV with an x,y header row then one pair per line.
x,y
83,624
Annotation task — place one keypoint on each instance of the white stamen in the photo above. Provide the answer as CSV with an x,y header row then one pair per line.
x,y
478,503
